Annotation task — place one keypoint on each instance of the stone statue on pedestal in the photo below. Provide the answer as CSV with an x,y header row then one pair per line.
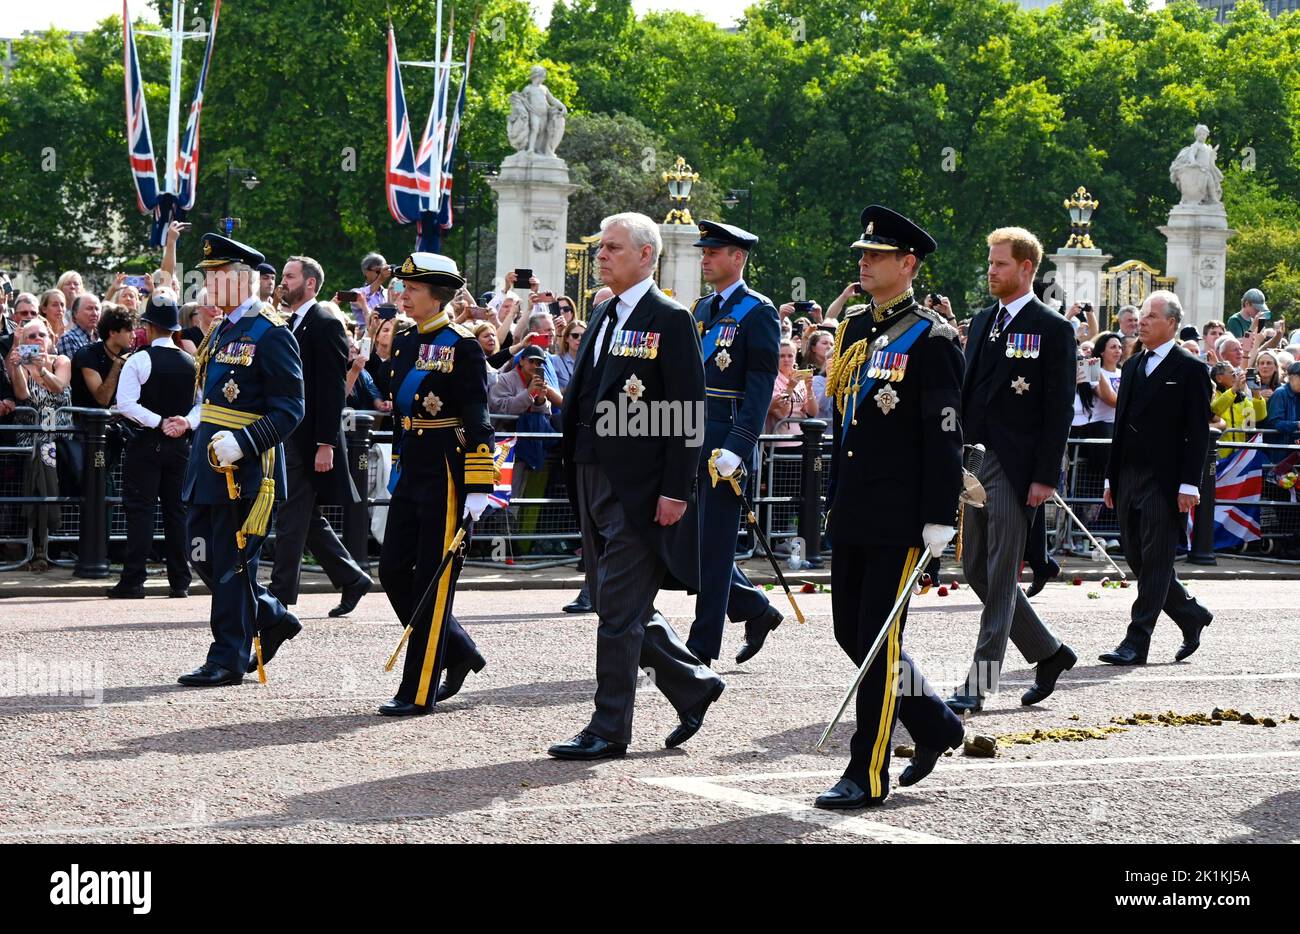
x,y
1194,171
536,122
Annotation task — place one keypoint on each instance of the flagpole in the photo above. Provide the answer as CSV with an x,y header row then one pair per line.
x,y
174,108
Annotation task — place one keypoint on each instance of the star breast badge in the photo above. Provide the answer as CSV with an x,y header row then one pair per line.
x,y
1020,385
432,404
634,388
723,359
230,390
886,398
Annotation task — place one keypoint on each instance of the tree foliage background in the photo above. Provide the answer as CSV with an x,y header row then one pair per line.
x,y
965,116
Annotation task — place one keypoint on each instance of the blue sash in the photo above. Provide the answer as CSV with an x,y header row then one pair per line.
x,y
405,401
899,345
737,314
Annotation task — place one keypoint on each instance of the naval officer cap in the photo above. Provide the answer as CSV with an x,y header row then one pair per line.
x,y
886,231
220,251
716,233
430,268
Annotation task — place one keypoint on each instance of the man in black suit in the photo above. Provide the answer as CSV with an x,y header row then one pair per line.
x,y
1157,459
315,455
633,429
1017,400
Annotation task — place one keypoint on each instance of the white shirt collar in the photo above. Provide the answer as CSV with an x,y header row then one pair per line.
x,y
629,299
163,342
726,293
1013,307
302,309
246,306
1163,350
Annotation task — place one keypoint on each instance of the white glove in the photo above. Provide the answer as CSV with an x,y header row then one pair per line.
x,y
726,463
937,537
475,504
226,448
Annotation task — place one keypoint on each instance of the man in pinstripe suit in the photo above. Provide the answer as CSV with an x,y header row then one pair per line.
x,y
1017,400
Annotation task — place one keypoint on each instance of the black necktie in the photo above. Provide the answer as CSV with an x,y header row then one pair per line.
x,y
1004,318
715,306
611,322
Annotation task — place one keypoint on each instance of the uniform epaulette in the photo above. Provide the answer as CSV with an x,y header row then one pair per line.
x,y
270,314
852,310
941,326
461,329
763,299
404,329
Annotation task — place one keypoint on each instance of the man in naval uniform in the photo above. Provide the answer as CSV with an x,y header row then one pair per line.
x,y
895,378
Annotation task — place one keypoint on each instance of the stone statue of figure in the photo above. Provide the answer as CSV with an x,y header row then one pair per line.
x,y
1194,171
544,115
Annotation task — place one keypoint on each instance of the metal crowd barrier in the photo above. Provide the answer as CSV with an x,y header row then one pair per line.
x,y
538,529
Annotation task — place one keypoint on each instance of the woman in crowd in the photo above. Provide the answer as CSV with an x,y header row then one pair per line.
x,y
1240,408
1270,372
486,332
40,380
817,350
70,285
54,309
792,397
566,359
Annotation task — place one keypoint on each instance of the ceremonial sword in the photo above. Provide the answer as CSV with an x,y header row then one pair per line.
x,y
419,607
734,479
972,494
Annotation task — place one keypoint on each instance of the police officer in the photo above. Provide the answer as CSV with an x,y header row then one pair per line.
x,y
740,335
155,390
443,469
895,378
250,398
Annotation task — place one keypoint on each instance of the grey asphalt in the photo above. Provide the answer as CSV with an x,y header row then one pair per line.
x,y
306,758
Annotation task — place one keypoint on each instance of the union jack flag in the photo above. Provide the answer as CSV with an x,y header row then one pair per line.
x,y
138,141
1238,484
505,461
444,218
187,160
402,184
428,158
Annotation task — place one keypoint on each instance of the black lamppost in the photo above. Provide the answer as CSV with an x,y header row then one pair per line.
x,y
249,180
468,201
733,198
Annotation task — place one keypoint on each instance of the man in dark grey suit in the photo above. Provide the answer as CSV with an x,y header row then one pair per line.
x,y
1157,459
315,456
633,429
1017,400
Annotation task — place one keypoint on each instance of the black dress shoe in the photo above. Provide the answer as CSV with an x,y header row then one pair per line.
x,y
1122,655
1041,577
456,676
273,637
178,593
352,596
587,746
209,675
580,605
756,631
397,708
693,719
846,794
119,592
965,703
924,759
1046,673
1191,639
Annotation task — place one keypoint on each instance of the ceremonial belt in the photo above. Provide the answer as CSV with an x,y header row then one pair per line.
x,y
898,345
709,343
725,393
408,423
259,516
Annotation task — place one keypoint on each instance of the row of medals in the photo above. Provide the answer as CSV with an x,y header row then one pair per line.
x,y
1027,349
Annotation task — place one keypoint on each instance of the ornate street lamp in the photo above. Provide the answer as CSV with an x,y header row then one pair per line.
x,y
1081,205
680,179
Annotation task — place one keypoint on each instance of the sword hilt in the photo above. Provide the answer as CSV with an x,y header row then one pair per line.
x,y
733,478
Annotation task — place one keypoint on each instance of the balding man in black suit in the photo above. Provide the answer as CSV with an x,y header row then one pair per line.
x,y
1157,459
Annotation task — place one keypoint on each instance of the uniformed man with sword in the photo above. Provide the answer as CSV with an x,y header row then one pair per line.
x,y
895,378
